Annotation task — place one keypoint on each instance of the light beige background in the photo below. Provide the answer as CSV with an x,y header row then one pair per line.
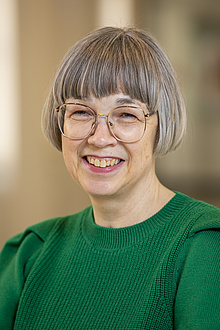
x,y
34,183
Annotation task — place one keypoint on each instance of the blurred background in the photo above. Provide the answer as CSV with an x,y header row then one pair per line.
x,y
35,35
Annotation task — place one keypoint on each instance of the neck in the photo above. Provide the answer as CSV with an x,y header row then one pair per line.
x,y
109,211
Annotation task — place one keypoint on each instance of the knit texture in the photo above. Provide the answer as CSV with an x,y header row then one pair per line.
x,y
69,273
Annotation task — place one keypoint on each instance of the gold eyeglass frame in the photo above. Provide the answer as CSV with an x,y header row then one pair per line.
x,y
96,115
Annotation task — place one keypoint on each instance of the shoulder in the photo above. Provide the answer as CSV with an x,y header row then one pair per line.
x,y
200,246
197,215
45,228
208,218
25,247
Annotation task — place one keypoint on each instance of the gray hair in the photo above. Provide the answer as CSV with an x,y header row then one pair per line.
x,y
112,60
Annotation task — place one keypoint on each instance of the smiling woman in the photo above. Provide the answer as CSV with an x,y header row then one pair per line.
x,y
130,158
141,256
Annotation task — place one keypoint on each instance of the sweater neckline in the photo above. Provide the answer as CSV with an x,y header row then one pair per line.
x,y
121,238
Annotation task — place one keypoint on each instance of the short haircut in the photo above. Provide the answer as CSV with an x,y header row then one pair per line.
x,y
111,60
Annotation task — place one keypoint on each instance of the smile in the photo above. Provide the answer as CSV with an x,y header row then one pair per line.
x,y
102,162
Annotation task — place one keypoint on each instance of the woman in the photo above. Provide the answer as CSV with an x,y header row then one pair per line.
x,y
142,256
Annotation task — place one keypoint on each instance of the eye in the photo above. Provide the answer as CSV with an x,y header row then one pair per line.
x,y
78,112
127,115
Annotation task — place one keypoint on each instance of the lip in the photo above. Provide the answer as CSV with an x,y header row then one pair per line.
x,y
101,170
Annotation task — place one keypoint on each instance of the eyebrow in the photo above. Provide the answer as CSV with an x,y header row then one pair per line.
x,y
124,100
119,101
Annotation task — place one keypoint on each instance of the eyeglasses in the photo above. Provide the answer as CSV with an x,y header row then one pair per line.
x,y
126,123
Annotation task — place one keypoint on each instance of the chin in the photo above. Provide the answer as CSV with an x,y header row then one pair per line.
x,y
100,189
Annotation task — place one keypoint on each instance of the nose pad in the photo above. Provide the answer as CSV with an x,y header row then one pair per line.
x,y
96,124
100,133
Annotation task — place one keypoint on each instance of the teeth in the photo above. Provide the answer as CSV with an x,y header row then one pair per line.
x,y
102,163
97,162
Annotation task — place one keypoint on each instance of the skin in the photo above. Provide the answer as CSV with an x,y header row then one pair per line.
x,y
131,190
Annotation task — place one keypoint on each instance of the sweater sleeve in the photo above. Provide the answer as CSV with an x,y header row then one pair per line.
x,y
197,304
16,260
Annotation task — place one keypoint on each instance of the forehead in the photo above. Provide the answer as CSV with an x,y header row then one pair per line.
x,y
108,101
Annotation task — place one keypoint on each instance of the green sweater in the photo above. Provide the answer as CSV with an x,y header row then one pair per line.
x,y
69,273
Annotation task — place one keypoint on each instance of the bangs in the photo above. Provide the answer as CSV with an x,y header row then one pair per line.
x,y
109,65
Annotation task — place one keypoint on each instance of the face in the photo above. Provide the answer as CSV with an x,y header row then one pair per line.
x,y
104,166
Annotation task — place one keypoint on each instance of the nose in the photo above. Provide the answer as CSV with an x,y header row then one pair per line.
x,y
101,136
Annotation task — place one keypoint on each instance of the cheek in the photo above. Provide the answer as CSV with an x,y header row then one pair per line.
x,y
70,155
151,136
142,153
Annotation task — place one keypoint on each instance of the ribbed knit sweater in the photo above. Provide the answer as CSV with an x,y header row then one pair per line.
x,y
69,273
